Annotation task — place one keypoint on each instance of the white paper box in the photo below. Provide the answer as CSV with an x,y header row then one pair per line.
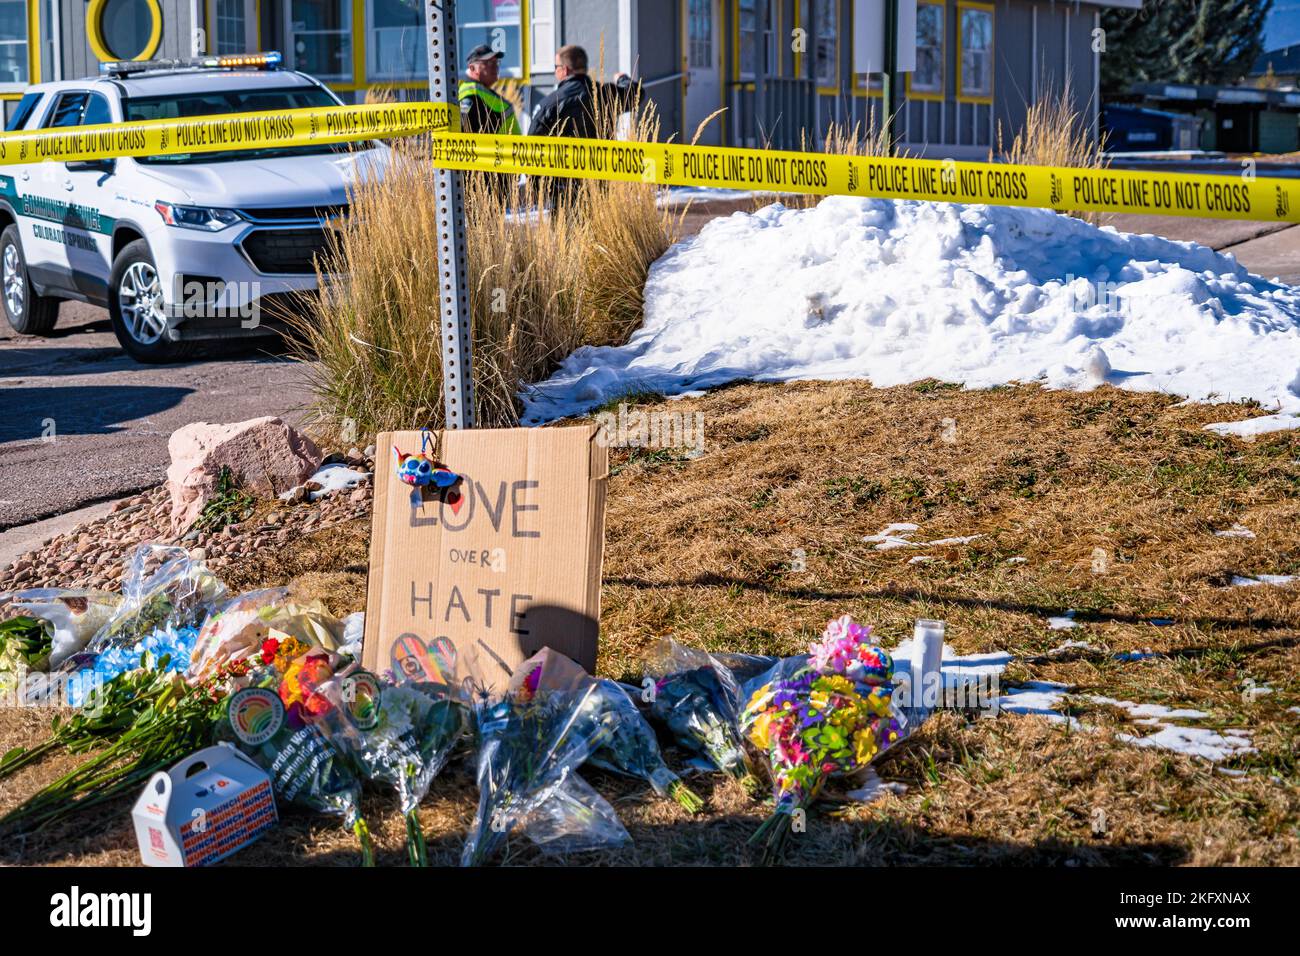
x,y
203,809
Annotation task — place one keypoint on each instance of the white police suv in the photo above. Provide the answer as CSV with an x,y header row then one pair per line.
x,y
179,247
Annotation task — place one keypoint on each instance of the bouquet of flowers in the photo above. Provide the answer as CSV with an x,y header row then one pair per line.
x,y
698,700
178,592
45,626
831,717
25,645
632,749
150,718
531,740
398,734
276,727
166,649
629,746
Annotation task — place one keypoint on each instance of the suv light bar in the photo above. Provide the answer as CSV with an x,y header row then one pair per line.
x,y
242,61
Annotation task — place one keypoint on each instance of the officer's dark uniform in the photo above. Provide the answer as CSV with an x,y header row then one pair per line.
x,y
572,107
483,111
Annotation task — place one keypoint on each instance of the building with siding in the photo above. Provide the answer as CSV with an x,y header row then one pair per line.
x,y
775,68
1234,119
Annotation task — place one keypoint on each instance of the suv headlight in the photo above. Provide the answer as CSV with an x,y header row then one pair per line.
x,y
196,217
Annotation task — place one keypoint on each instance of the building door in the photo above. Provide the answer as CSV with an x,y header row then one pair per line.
x,y
232,27
703,60
1238,129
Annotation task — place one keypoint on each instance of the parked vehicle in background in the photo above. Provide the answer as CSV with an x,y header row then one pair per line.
x,y
179,247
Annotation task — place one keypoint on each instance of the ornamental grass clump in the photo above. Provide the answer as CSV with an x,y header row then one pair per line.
x,y
542,282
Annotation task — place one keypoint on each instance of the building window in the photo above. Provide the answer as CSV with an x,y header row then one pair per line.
x,y
124,29
320,38
747,20
496,23
396,47
826,14
928,76
13,41
541,50
232,36
699,35
976,62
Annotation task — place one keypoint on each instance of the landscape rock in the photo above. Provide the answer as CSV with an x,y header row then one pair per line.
x,y
265,456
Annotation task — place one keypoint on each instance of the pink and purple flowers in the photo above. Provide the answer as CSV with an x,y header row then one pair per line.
x,y
833,717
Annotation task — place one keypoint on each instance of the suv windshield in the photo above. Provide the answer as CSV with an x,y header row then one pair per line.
x,y
185,105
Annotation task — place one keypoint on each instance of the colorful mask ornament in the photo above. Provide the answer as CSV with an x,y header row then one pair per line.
x,y
422,470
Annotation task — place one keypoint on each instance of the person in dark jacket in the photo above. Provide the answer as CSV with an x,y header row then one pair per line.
x,y
481,109
577,102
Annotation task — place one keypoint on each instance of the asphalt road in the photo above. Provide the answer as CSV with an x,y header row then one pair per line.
x,y
82,423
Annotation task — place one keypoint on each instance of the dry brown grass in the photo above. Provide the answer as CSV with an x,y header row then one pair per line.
x,y
1055,133
540,286
841,139
701,549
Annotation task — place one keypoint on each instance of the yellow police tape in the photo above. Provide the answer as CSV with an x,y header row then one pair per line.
x,y
271,129
1178,194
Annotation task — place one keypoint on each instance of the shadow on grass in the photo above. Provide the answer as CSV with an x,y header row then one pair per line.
x,y
304,839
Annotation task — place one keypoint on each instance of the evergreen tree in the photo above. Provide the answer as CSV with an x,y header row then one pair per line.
x,y
1182,41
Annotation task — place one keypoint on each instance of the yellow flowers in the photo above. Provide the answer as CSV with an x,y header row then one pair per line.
x,y
865,746
759,733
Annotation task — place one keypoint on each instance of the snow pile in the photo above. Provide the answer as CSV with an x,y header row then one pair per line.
x,y
1277,580
897,291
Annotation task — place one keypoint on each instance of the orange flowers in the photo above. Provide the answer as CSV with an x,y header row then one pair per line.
x,y
298,688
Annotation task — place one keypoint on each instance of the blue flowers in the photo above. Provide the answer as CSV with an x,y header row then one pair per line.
x,y
175,644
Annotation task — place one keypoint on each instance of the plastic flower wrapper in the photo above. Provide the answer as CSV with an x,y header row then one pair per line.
x,y
399,734
309,623
630,746
235,631
68,619
179,592
531,741
820,722
697,698
277,728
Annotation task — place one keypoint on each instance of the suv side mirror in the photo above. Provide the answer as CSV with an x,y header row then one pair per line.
x,y
106,166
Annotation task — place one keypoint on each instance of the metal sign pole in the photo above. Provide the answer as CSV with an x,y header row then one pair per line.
x,y
453,265
889,82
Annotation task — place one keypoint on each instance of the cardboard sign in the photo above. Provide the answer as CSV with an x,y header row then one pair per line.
x,y
204,809
487,572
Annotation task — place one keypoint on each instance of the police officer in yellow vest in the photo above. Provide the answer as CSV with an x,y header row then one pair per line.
x,y
481,110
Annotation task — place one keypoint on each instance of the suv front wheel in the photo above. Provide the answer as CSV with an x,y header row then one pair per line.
x,y
136,306
27,312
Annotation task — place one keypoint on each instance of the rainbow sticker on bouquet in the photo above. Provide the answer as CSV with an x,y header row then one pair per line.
x,y
361,700
255,715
